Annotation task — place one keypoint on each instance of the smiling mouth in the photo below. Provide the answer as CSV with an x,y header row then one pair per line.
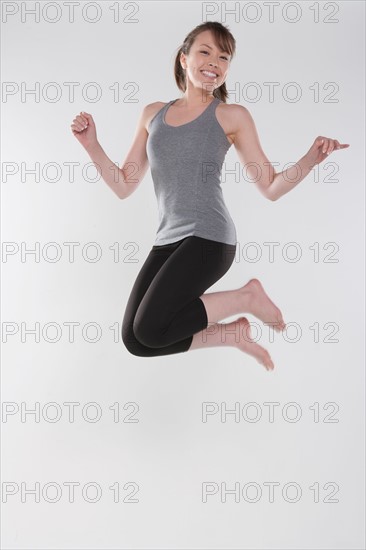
x,y
209,74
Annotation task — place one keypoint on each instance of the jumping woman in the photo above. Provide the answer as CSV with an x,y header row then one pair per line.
x,y
185,142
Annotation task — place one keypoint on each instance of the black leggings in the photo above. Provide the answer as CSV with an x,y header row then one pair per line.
x,y
164,310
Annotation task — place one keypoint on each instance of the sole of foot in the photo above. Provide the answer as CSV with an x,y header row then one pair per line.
x,y
247,345
262,306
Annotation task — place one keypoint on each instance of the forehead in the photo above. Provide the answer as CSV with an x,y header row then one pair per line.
x,y
207,37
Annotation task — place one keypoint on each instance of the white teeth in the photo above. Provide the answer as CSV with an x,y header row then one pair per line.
x,y
209,74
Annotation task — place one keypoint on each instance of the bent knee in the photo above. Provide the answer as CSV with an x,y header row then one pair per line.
x,y
149,335
130,342
134,345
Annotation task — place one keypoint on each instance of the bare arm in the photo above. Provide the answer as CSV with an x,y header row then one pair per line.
x,y
113,175
271,184
123,181
250,152
284,181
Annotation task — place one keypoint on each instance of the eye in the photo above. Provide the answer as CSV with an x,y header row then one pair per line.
x,y
205,51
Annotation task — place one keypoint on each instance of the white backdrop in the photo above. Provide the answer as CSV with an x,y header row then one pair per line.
x,y
150,469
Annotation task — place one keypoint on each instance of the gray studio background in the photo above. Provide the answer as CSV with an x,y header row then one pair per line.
x,y
150,440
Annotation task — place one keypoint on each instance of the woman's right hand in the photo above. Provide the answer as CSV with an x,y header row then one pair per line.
x,y
84,130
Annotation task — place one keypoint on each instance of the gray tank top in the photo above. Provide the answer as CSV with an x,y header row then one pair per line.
x,y
186,163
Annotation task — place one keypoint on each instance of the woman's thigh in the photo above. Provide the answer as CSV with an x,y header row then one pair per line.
x,y
151,266
193,267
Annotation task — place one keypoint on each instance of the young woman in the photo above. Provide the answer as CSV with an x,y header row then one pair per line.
x,y
185,142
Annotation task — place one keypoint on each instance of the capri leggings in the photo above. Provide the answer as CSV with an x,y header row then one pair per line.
x,y
164,310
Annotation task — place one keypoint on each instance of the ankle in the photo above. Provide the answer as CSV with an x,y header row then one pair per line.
x,y
245,294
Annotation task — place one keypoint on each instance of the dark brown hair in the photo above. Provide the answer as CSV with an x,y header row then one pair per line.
x,y
223,39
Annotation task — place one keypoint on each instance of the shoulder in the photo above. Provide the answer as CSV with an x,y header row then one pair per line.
x,y
233,118
233,111
150,110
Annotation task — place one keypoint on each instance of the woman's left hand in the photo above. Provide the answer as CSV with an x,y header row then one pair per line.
x,y
321,149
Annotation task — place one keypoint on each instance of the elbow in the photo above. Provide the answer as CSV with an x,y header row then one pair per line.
x,y
270,190
270,194
124,190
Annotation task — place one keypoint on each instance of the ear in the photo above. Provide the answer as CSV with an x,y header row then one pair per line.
x,y
183,61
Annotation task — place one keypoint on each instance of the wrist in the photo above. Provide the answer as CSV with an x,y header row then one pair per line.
x,y
93,147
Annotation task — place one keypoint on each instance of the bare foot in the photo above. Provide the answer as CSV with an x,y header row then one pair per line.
x,y
261,305
247,345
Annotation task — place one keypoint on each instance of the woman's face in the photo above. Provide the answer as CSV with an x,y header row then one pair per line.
x,y
204,56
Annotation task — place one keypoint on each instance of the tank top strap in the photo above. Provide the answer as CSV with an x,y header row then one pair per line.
x,y
209,111
212,105
164,109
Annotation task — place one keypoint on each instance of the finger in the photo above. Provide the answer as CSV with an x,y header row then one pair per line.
x,y
320,142
325,145
79,126
75,129
84,118
340,145
330,146
87,116
82,121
